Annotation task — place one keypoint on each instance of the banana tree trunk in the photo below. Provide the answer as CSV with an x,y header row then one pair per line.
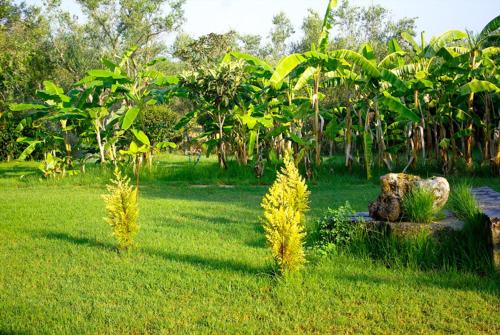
x,y
380,135
348,140
221,149
99,140
317,130
470,128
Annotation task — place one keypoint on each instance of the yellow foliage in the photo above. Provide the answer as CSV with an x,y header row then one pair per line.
x,y
122,210
284,207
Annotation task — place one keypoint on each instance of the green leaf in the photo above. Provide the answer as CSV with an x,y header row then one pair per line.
x,y
267,121
491,27
284,67
249,121
29,150
394,46
133,148
251,142
326,26
395,105
368,67
477,86
52,88
163,145
304,78
141,136
296,139
252,60
101,73
185,120
167,80
130,117
443,40
25,107
408,38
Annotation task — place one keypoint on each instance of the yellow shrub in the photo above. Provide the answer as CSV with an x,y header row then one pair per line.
x,y
122,210
284,207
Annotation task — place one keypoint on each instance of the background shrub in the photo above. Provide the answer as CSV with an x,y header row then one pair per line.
x,y
159,124
336,228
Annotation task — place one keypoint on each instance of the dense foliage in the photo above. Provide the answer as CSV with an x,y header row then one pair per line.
x,y
385,100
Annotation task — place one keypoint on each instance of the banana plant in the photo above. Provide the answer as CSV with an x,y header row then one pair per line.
x,y
56,107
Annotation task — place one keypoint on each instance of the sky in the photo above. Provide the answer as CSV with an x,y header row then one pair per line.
x,y
255,16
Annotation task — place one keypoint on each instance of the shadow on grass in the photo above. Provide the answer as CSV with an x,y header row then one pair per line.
x,y
210,263
454,281
81,241
195,260
18,171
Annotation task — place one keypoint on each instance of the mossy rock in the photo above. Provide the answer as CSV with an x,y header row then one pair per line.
x,y
394,186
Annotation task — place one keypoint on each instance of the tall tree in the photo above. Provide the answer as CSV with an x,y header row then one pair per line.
x,y
118,25
281,31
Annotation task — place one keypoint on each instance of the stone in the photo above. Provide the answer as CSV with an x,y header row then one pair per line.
x,y
489,203
439,187
389,204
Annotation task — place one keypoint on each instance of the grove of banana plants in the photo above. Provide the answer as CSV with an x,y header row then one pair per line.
x,y
427,103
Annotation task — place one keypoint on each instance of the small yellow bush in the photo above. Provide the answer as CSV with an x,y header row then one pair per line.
x,y
284,207
122,210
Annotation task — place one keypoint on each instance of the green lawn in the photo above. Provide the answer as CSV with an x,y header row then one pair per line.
x,y
202,265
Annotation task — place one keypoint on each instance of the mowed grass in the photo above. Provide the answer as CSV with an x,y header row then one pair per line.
x,y
202,266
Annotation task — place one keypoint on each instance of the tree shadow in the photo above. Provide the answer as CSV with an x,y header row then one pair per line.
x,y
80,241
195,260
438,280
211,263
16,172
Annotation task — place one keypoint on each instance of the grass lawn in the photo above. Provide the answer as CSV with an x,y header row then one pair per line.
x,y
202,266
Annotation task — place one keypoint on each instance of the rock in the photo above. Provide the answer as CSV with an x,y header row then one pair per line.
x,y
395,186
439,187
388,206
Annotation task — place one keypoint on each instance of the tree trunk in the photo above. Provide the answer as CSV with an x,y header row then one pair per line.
x,y
317,130
221,153
348,139
99,141
470,128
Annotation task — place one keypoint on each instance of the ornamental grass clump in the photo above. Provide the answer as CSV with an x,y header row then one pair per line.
x,y
285,205
463,204
418,205
122,210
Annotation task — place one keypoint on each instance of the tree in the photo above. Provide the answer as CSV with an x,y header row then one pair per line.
x,y
215,89
355,26
311,27
281,31
207,49
118,25
250,44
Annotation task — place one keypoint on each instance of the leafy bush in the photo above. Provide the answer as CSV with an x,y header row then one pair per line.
x,y
284,207
336,228
9,147
122,210
418,205
159,124
463,204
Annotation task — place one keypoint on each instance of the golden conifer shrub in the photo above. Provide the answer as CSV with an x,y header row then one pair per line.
x,y
285,205
122,210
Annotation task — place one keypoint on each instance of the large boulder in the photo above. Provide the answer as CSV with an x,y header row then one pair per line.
x,y
439,187
389,204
